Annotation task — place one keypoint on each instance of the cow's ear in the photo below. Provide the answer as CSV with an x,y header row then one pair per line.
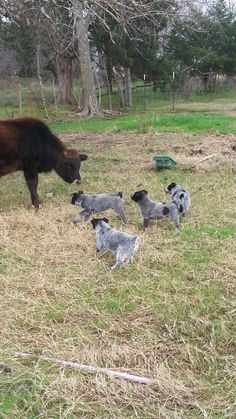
x,y
83,156
105,220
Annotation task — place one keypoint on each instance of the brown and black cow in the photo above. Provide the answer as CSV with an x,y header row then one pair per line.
x,y
27,144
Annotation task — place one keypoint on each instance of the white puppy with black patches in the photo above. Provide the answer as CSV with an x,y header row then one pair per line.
x,y
180,196
123,245
151,210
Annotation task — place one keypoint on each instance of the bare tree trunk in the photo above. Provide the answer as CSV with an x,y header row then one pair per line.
x,y
188,85
205,79
40,82
89,98
214,82
119,84
65,79
108,89
109,74
128,88
55,96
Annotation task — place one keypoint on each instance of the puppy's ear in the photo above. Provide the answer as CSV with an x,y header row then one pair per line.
x,y
171,186
74,196
94,222
80,192
120,194
144,191
105,220
83,156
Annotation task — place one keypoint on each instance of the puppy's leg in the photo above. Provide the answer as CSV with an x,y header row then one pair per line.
x,y
133,251
120,258
174,215
77,217
120,209
99,244
145,223
82,214
117,265
86,214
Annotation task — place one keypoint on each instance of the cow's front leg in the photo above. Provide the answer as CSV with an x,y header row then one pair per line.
x,y
32,183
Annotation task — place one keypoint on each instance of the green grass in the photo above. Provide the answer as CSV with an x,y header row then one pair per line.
x,y
187,122
170,315
151,111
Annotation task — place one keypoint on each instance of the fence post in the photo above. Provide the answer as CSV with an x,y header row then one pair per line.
x,y
173,91
144,91
54,95
30,99
20,99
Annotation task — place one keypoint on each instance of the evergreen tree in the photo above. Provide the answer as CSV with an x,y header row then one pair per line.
x,y
205,43
21,40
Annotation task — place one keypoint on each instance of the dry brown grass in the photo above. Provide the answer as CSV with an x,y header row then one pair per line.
x,y
169,316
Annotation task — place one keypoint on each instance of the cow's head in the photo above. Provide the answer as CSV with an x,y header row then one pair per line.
x,y
68,165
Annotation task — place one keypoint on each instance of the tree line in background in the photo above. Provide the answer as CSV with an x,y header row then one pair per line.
x,y
116,41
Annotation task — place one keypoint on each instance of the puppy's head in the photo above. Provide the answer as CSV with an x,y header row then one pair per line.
x,y
96,221
76,198
170,187
138,195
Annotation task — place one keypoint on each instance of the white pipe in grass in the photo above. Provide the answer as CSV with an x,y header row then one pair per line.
x,y
90,368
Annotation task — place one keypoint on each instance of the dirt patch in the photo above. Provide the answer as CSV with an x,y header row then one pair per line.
x,y
186,149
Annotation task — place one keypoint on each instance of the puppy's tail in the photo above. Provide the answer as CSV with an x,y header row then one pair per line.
x,y
120,194
136,244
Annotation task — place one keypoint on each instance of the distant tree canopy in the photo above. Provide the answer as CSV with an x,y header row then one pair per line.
x,y
206,42
151,37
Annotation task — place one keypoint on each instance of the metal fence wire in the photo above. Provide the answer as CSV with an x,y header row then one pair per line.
x,y
21,96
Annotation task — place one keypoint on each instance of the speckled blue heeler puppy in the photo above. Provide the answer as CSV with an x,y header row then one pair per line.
x,y
180,196
151,210
91,204
123,245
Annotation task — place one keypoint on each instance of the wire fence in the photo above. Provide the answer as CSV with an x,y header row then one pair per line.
x,y
21,97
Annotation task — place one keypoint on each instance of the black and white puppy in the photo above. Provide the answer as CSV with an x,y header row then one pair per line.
x,y
98,203
180,196
123,245
151,210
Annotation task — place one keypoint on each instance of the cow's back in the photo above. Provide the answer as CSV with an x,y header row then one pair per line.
x,y
29,141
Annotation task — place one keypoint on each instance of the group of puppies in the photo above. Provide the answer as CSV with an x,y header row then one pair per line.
x,y
125,245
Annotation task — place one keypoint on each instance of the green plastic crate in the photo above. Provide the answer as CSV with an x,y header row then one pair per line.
x,y
164,162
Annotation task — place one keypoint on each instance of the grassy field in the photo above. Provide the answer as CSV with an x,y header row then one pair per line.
x,y
192,122
169,316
